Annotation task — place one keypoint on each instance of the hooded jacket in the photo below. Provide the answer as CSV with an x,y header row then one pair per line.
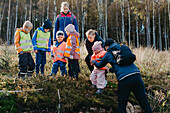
x,y
34,41
120,71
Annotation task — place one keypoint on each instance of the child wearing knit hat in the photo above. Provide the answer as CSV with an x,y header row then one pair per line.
x,y
97,76
72,51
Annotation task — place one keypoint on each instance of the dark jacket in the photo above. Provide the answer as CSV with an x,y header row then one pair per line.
x,y
63,22
120,71
90,44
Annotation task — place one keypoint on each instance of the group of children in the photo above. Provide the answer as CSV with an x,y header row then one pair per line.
x,y
41,42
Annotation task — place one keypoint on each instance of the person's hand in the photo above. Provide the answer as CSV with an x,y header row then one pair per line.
x,y
21,52
71,56
35,51
108,70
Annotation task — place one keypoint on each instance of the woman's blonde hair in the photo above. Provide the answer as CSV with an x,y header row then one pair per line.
x,y
90,31
63,4
27,24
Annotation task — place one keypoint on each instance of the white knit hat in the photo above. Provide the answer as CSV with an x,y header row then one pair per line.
x,y
70,28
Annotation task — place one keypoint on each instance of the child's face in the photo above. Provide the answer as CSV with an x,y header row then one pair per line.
x,y
91,37
68,33
106,47
46,30
28,29
65,8
60,38
96,51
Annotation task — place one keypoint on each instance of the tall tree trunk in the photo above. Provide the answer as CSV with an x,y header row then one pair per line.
x,y
106,18
83,19
129,21
2,16
16,18
147,23
137,26
159,17
123,28
166,46
43,12
30,10
154,43
48,9
8,22
169,22
25,10
117,23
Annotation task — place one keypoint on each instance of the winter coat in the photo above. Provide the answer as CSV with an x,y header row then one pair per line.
x,y
62,22
34,41
120,71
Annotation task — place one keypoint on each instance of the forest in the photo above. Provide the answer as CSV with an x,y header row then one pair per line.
x,y
135,22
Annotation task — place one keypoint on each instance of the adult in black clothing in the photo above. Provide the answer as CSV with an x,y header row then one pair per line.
x,y
92,36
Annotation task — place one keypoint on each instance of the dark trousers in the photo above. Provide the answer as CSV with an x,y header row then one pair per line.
x,y
62,66
134,84
87,59
74,68
40,61
26,64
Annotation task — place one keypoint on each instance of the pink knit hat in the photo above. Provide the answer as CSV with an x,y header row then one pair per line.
x,y
70,28
97,46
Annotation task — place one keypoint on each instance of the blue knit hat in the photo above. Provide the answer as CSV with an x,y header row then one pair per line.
x,y
109,42
47,24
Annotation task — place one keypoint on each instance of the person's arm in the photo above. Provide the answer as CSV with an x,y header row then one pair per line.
x,y
34,42
75,24
102,63
89,50
17,45
49,44
56,26
74,45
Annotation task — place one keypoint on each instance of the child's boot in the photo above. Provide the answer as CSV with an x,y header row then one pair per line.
x,y
99,91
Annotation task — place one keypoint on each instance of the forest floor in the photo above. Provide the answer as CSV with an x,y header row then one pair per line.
x,y
43,94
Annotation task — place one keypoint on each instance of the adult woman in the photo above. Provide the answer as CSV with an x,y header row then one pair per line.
x,y
92,36
64,18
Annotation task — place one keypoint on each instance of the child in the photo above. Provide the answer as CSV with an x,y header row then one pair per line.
x,y
41,43
97,76
23,46
128,76
72,51
58,54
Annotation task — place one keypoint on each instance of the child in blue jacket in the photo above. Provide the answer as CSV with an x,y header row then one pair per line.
x,y
128,76
41,43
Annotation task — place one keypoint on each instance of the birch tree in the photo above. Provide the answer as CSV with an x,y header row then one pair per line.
x,y
117,23
16,17
159,18
123,28
106,19
154,44
129,22
9,9
48,9
83,20
25,10
166,46
2,16
137,26
30,10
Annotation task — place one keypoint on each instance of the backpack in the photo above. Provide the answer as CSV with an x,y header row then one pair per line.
x,y
124,56
72,18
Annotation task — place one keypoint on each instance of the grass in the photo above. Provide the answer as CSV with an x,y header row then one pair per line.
x,y
78,96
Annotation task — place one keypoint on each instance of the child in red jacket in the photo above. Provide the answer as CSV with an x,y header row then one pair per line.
x,y
97,76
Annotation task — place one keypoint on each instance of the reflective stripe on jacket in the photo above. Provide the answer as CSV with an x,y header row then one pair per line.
x,y
98,57
25,41
58,52
42,39
69,46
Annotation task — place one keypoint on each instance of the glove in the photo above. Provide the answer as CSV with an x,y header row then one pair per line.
x,y
71,56
52,55
93,61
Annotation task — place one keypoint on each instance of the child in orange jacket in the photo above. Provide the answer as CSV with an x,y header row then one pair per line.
x,y
97,76
58,54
